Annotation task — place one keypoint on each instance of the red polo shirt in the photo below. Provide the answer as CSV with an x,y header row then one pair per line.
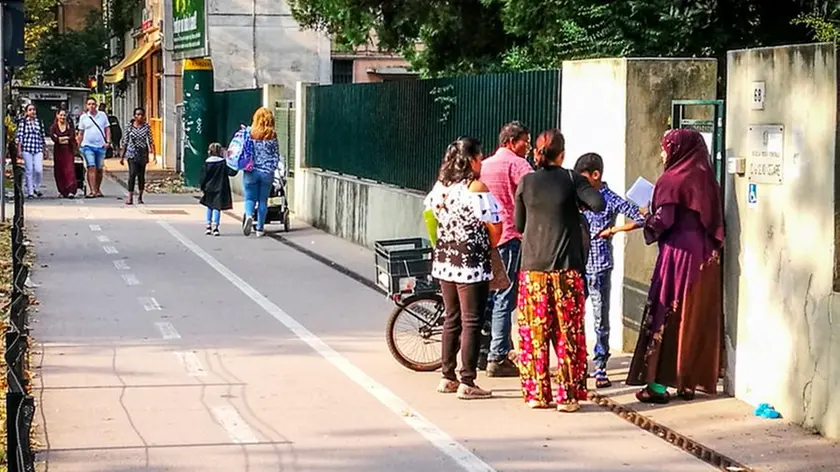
x,y
501,173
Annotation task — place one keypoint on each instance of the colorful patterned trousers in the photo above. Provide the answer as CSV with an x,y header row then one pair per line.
x,y
551,310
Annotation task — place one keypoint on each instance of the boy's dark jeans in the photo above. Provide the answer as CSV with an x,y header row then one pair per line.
x,y
599,294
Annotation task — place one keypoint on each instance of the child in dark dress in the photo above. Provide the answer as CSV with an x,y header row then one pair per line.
x,y
215,183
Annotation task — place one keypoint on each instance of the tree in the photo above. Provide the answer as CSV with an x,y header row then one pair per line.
x,y
485,35
69,58
825,24
40,20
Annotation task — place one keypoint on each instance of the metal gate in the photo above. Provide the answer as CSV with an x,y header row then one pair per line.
x,y
712,127
179,137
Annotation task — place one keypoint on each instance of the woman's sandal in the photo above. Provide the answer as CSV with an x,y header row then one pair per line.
x,y
646,395
602,382
686,394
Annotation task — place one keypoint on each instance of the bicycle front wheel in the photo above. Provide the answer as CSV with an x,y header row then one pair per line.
x,y
414,332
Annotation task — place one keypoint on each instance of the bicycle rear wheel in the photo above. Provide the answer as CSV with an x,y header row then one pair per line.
x,y
414,332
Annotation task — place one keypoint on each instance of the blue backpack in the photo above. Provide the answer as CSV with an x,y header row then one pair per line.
x,y
239,154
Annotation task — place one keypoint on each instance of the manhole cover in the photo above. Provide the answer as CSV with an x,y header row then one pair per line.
x,y
168,212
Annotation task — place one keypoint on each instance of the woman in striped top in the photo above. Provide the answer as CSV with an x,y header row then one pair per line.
x,y
136,146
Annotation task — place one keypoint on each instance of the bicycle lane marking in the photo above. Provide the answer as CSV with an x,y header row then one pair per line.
x,y
437,437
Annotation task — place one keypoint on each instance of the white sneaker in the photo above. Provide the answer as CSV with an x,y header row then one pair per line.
x,y
447,386
474,392
247,225
260,234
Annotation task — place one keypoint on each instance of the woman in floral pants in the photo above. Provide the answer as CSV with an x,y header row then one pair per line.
x,y
551,288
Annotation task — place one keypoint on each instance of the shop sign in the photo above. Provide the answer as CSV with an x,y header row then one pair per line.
x,y
189,37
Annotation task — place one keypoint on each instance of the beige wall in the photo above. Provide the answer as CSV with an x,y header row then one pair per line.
x,y
620,108
784,334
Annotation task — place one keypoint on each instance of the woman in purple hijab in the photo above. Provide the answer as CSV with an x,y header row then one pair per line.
x,y
680,339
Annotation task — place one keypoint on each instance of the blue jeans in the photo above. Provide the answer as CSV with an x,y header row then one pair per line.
x,y
257,186
599,295
501,304
213,217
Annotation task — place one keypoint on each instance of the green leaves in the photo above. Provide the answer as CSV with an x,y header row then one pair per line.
x,y
473,36
69,58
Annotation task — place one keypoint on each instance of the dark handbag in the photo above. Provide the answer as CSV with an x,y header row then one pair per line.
x,y
500,281
583,223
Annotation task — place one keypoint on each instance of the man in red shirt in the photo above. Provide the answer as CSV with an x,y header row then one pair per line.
x,y
501,173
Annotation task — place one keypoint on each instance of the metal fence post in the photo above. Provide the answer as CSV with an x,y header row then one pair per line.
x,y
20,406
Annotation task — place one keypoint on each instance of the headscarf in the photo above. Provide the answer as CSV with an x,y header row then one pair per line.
x,y
689,181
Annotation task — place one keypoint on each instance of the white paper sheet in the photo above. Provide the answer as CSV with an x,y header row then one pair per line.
x,y
641,193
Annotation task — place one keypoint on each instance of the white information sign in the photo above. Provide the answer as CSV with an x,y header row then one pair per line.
x,y
766,153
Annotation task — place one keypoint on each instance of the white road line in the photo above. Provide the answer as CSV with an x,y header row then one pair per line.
x,y
110,250
131,280
236,427
103,239
191,363
167,331
437,437
121,264
149,303
95,228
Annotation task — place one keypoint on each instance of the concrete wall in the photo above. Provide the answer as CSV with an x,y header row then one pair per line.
x,y
620,108
782,334
257,42
357,210
651,86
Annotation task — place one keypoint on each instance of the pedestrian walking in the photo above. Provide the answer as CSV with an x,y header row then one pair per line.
x,y
114,125
215,185
551,286
679,343
602,228
30,142
257,181
137,145
502,173
94,136
64,155
469,224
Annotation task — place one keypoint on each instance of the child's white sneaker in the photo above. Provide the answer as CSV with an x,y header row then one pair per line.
x,y
208,230
216,231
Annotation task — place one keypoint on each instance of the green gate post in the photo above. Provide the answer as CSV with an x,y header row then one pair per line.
x,y
199,124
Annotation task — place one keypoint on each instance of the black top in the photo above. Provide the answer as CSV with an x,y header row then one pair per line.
x,y
548,216
215,183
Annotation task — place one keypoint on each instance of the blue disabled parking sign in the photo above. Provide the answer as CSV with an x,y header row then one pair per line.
x,y
752,194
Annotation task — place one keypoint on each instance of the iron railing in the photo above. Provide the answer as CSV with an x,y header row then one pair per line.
x,y
397,132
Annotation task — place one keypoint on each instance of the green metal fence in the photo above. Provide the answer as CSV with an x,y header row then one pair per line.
x,y
231,108
284,122
397,132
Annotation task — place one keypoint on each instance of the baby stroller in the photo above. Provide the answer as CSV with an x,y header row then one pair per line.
x,y
79,167
278,204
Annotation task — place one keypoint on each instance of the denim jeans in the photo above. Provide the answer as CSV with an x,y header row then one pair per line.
x,y
213,217
599,295
257,186
501,303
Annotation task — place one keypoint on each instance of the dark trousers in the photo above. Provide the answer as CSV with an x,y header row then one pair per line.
x,y
137,172
465,310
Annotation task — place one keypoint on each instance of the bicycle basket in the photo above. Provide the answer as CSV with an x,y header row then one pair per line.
x,y
404,265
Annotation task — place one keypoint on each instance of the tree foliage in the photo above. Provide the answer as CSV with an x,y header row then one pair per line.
x,y
40,20
486,35
825,24
69,58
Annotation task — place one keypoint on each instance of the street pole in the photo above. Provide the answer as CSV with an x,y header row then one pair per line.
x,y
3,134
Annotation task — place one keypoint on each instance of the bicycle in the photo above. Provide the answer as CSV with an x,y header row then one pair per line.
x,y
415,326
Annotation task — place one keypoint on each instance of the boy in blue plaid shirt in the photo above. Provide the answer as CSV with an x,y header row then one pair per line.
x,y
600,264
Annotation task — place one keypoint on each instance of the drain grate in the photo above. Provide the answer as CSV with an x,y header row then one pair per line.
x,y
168,212
665,433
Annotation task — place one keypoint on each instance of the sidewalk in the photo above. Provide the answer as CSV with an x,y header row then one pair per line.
x,y
158,179
725,425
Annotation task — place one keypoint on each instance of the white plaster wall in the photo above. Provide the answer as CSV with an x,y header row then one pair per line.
x,y
357,210
779,272
257,42
593,119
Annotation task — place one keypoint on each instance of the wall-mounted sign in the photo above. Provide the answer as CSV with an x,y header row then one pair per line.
x,y
766,153
189,36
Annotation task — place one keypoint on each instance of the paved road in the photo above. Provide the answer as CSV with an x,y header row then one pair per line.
x,y
164,349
